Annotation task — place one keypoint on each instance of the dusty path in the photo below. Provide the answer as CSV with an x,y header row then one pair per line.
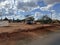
x,y
52,39
49,39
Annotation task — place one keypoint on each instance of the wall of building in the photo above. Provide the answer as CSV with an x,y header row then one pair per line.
x,y
4,23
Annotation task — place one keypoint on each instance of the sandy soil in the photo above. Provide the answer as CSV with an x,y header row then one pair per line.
x,y
13,27
24,33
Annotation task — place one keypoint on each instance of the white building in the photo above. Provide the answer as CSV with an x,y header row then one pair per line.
x,y
4,23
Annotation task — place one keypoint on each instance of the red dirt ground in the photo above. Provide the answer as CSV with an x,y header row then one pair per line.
x,y
18,31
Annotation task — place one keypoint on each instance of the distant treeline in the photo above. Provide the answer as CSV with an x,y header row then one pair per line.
x,y
45,20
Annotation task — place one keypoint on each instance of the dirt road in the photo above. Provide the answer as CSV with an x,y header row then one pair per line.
x,y
52,39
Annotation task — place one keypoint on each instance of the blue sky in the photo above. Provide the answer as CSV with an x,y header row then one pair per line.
x,y
37,8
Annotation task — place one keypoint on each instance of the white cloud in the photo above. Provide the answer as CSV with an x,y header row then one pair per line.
x,y
38,15
26,5
54,15
2,4
26,0
29,0
46,8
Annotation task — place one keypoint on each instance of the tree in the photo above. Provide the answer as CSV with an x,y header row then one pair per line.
x,y
6,18
17,20
46,20
29,19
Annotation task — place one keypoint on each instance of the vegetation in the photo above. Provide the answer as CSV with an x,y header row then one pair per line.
x,y
45,20
29,19
56,21
6,18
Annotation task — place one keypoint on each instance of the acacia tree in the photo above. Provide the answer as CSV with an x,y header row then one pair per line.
x,y
45,20
29,19
6,18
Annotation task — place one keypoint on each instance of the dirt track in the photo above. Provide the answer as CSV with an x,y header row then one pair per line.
x,y
16,32
14,27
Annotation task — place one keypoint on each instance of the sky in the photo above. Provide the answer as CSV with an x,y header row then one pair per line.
x,y
37,8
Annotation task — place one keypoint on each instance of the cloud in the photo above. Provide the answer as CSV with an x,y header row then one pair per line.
x,y
46,8
1,4
54,15
2,1
29,1
38,15
26,6
51,1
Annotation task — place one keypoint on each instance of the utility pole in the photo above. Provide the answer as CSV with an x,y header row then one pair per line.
x,y
0,17
51,15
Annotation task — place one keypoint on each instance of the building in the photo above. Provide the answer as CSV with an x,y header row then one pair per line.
x,y
4,22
